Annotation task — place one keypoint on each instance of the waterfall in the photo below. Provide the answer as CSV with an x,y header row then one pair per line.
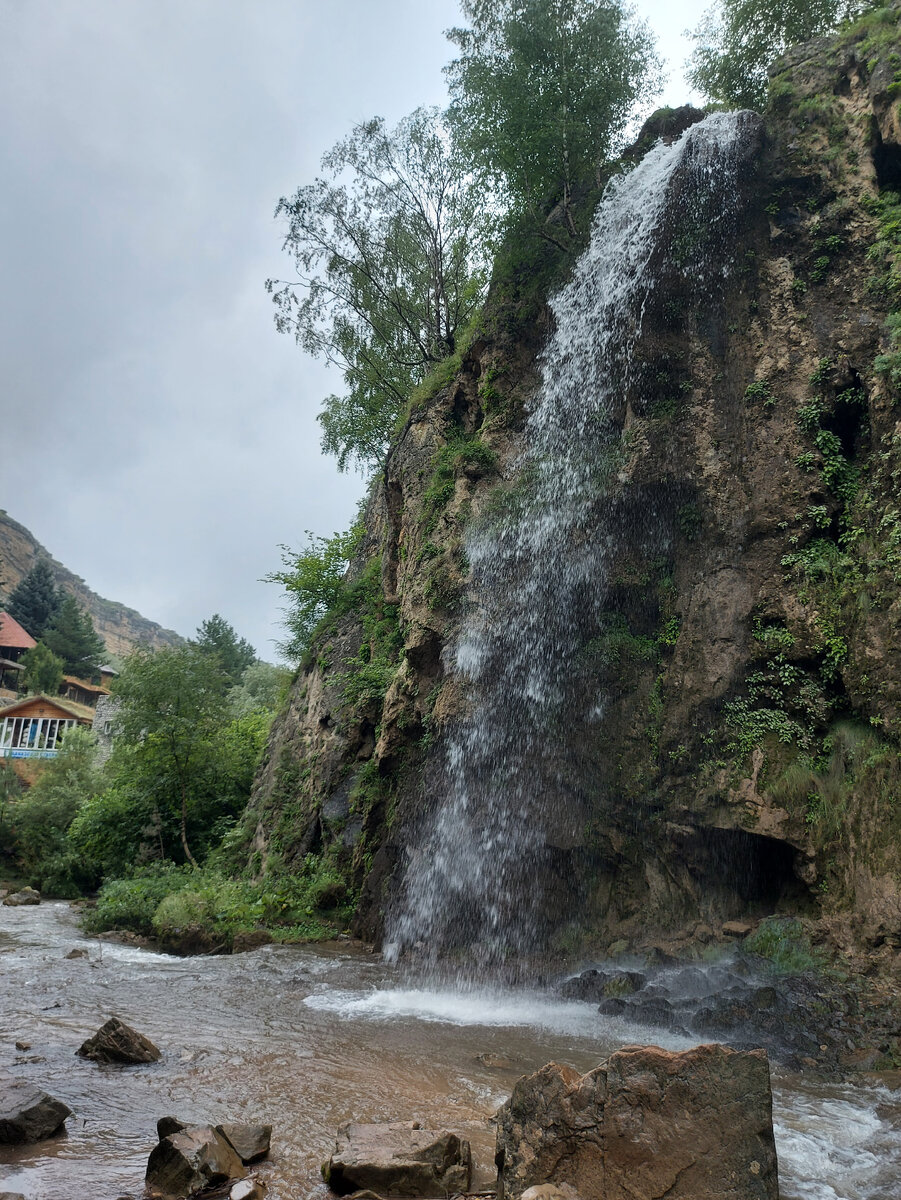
x,y
476,874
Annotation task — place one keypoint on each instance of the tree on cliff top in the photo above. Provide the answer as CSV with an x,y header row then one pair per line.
x,y
36,600
542,90
736,42
389,261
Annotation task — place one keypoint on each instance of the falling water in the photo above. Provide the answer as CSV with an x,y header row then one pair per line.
x,y
476,875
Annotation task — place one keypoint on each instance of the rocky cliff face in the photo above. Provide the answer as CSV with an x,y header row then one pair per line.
x,y
748,643
121,628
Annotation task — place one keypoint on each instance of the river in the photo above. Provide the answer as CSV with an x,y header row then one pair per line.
x,y
307,1037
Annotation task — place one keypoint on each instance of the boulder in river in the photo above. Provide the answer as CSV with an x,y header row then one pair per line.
x,y
26,895
27,1114
116,1042
249,1142
190,1160
398,1159
646,1123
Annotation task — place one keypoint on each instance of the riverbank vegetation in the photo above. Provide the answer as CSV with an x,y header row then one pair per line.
x,y
148,825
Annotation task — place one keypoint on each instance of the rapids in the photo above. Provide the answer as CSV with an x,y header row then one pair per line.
x,y
307,1037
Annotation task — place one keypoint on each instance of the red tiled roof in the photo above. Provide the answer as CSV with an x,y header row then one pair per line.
x,y
13,635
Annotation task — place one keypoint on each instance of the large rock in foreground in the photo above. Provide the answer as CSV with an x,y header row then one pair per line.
x,y
190,1160
116,1042
398,1159
645,1124
27,1114
27,895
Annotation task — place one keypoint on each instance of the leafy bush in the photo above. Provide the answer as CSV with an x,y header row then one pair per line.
x,y
783,942
169,902
130,904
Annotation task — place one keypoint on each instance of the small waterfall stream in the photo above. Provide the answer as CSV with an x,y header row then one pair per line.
x,y
539,569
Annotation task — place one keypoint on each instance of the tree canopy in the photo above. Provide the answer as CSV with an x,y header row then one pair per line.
x,y
36,599
43,670
388,247
737,40
543,89
171,705
217,637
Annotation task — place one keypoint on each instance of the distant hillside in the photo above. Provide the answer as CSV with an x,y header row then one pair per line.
x,y
121,628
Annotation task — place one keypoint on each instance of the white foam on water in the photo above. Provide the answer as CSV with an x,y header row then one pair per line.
x,y
490,1009
837,1147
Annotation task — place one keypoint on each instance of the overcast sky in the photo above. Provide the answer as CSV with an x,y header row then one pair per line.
x,y
159,436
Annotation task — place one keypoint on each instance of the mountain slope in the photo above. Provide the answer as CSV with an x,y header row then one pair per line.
x,y
120,627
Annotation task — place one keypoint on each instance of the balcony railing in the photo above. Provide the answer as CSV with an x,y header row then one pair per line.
x,y
21,752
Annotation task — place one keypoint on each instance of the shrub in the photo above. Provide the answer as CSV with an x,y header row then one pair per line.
x,y
782,941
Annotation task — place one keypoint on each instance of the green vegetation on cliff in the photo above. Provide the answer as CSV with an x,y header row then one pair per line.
x,y
737,41
747,759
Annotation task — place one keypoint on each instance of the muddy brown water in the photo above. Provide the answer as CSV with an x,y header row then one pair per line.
x,y
304,1038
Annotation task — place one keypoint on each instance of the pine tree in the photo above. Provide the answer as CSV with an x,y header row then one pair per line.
x,y
217,637
36,600
71,636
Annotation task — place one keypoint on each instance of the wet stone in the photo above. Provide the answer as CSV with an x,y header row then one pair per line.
x,y
27,1114
168,1125
25,895
398,1159
190,1160
116,1042
612,1007
249,1142
587,986
624,983
651,1012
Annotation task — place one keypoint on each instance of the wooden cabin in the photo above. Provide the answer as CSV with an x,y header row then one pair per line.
x,y
35,727
82,691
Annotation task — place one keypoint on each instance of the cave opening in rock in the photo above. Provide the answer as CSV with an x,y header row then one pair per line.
x,y
751,873
887,161
848,420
